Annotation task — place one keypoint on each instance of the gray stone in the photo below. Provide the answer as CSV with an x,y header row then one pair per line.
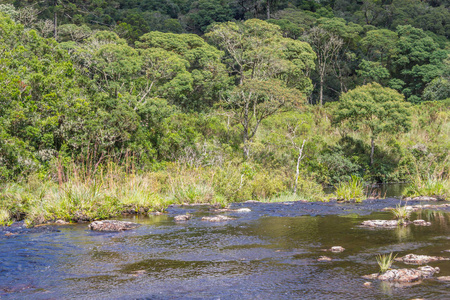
x,y
419,259
337,249
421,223
112,226
380,223
324,258
405,275
182,218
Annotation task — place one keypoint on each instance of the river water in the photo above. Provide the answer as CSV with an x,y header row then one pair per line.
x,y
268,253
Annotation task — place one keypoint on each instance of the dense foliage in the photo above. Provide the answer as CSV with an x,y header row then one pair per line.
x,y
251,94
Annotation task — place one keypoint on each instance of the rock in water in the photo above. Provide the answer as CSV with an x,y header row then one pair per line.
x,y
112,225
380,223
428,271
182,218
324,258
243,210
337,249
218,218
405,275
419,259
421,223
401,275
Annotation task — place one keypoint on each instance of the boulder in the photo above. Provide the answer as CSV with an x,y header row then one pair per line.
x,y
218,218
380,223
419,259
182,218
112,225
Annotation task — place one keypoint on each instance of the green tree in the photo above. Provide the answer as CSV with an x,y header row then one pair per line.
x,y
255,100
375,108
208,74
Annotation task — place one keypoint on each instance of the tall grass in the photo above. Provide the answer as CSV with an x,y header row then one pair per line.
x,y
385,261
431,186
351,190
401,213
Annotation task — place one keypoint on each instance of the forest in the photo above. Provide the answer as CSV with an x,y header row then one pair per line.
x,y
107,106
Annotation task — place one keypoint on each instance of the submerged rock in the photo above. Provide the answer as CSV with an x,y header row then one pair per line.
x,y
368,284
419,259
380,223
443,278
239,210
337,249
182,218
112,225
405,275
324,258
243,210
218,218
421,223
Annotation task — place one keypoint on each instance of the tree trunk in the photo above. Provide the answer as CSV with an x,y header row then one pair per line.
x,y
321,90
55,22
268,9
372,150
245,131
297,172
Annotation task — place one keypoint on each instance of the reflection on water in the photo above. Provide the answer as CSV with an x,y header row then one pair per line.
x,y
269,253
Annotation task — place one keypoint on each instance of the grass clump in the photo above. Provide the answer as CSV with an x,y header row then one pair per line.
x,y
385,261
401,213
351,190
431,186
5,218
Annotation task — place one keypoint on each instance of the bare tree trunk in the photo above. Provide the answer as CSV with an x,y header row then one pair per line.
x,y
321,90
372,150
245,131
297,172
55,22
268,9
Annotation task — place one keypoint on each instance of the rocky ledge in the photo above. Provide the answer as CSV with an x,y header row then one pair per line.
x,y
425,198
421,207
420,259
392,223
405,275
112,226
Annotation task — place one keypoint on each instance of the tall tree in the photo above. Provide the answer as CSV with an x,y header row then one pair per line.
x,y
327,46
375,108
255,100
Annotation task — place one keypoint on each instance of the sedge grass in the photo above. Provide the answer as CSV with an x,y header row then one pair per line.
x,y
385,261
351,190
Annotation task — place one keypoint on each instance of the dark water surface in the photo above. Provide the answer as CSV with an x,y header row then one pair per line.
x,y
268,253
